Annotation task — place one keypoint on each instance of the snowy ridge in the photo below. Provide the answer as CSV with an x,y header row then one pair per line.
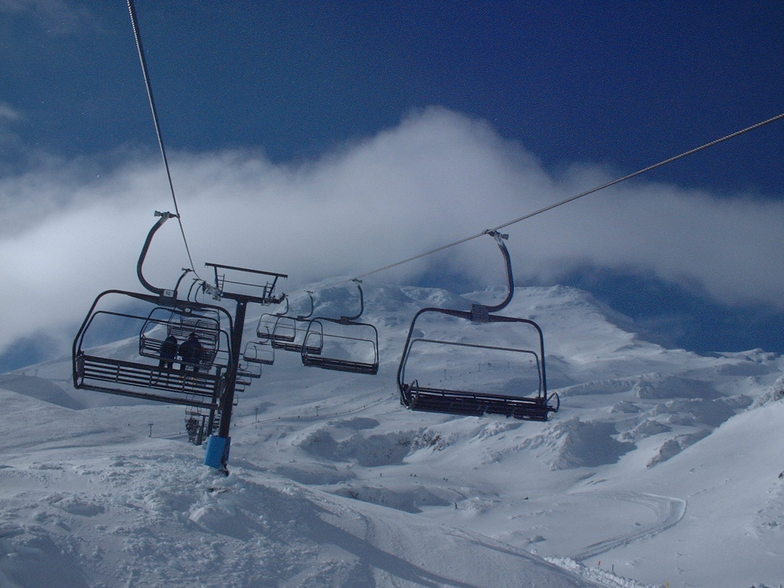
x,y
661,468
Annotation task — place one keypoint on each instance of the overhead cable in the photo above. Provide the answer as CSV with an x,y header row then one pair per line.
x,y
148,85
573,198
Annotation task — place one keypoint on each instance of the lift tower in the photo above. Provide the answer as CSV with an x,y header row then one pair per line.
x,y
207,382
242,292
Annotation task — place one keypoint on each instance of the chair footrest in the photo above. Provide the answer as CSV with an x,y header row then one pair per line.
x,y
475,404
341,365
143,380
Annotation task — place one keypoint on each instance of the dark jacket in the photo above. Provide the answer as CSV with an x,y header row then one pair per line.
x,y
169,347
191,349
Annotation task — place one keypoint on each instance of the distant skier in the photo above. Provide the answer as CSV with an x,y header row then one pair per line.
x,y
168,352
191,352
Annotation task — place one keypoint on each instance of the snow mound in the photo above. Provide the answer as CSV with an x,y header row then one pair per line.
x,y
574,443
157,520
406,499
367,451
40,389
674,446
674,387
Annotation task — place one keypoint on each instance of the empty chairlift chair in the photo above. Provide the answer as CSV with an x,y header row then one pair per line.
x,y
523,385
197,425
248,370
288,332
265,329
259,352
343,344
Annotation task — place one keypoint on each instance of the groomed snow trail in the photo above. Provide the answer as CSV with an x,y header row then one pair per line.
x,y
669,512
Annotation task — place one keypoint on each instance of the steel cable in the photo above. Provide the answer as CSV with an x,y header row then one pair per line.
x,y
151,99
570,199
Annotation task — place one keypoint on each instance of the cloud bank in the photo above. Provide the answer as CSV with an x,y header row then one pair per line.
x,y
72,229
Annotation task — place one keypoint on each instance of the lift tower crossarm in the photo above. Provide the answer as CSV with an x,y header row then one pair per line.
x,y
267,290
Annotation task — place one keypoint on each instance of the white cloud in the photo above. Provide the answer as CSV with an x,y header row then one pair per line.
x,y
57,17
435,178
9,141
7,112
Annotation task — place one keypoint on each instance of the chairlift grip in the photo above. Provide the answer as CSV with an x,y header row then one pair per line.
x,y
496,234
185,272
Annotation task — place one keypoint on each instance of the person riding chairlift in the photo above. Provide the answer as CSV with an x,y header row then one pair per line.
x,y
191,352
168,352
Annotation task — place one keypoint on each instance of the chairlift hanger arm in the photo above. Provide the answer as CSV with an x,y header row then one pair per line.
x,y
160,291
196,282
304,317
349,319
499,239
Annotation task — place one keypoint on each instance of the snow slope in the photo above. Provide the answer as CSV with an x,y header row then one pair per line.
x,y
662,468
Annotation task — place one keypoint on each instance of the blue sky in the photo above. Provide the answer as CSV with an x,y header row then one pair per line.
x,y
559,95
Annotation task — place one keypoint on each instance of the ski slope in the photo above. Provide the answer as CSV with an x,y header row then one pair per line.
x,y
661,468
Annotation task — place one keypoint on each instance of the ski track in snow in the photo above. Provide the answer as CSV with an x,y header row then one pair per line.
x,y
669,510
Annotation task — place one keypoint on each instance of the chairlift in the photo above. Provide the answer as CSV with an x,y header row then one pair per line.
x,y
197,425
243,380
261,352
180,323
144,373
288,332
424,394
347,345
249,370
285,329
267,321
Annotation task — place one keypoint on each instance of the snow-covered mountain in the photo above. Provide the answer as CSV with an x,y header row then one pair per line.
x,y
663,467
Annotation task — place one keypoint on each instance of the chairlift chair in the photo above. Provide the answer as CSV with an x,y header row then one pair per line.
x,y
289,332
181,323
353,349
243,380
261,352
247,369
110,369
267,321
197,425
309,336
462,400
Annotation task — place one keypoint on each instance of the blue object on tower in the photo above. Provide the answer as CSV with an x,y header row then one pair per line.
x,y
217,455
